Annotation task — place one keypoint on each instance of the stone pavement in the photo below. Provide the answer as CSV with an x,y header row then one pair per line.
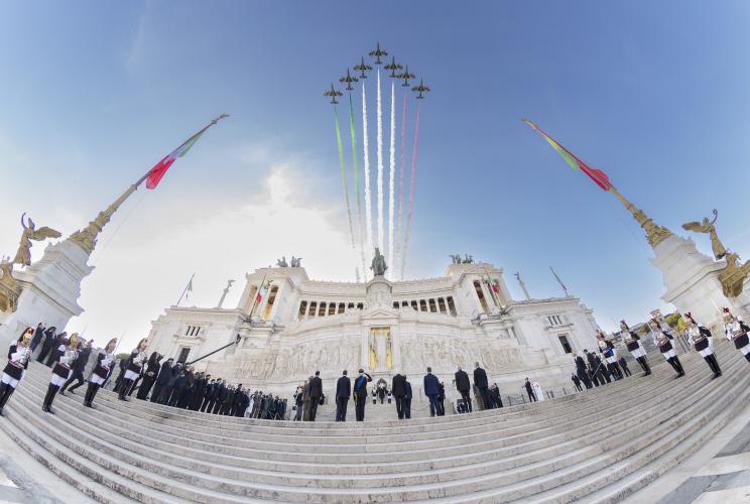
x,y
719,473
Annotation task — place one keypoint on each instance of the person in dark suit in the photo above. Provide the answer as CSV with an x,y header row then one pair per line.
x,y
47,343
360,394
529,390
581,371
432,391
165,373
407,399
480,382
464,387
316,392
398,389
38,337
343,393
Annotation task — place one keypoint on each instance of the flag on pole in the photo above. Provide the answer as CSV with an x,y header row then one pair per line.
x,y
154,176
189,288
598,176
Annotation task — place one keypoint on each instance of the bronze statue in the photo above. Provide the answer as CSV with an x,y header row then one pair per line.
x,y
378,266
708,227
281,263
30,232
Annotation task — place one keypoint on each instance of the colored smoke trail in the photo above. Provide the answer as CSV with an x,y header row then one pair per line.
x,y
366,155
400,218
380,168
412,189
360,225
392,175
343,175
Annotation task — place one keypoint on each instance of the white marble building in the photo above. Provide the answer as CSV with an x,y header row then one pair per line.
x,y
302,325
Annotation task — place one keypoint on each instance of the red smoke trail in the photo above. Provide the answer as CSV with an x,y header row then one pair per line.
x,y
412,189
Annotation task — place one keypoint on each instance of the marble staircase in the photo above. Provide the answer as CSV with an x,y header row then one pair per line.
x,y
597,446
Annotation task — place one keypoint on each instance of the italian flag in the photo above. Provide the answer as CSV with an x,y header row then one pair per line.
x,y
598,176
262,292
154,176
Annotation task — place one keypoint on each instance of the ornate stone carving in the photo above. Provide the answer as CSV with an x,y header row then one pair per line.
x,y
86,237
10,289
655,234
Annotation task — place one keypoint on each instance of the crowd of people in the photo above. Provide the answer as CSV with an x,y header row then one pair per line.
x,y
180,386
168,383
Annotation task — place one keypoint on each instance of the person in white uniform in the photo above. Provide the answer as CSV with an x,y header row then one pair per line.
x,y
104,362
633,343
701,339
61,372
19,354
736,331
664,340
538,392
134,370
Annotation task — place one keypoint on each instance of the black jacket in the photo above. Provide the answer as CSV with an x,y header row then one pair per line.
x,y
398,386
165,374
480,378
343,388
407,388
462,381
316,387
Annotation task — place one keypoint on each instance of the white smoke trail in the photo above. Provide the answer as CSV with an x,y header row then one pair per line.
x,y
366,154
380,169
400,219
392,179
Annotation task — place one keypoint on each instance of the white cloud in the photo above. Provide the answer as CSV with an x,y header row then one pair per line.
x,y
142,272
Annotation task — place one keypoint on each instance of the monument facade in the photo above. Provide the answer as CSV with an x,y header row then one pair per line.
x,y
297,326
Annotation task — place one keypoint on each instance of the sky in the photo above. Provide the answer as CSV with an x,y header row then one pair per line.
x,y
94,93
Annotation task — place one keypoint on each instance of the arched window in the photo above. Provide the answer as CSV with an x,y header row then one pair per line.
x,y
451,306
433,307
441,305
331,308
302,309
414,306
422,305
313,309
480,296
342,307
270,302
322,309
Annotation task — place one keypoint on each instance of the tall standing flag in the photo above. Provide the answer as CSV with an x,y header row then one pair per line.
x,y
598,176
154,176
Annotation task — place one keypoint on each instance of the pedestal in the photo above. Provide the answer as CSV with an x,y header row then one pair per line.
x,y
692,281
51,288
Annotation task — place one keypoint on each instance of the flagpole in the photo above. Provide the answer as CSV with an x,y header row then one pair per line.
x,y
255,301
184,291
86,237
565,289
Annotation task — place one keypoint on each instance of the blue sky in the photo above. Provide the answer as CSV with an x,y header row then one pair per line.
x,y
654,93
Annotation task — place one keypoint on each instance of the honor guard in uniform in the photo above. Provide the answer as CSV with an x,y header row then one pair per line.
x,y
610,355
18,361
62,370
633,343
700,338
736,331
104,363
138,358
663,339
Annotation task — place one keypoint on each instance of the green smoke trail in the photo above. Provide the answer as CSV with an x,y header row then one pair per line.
x,y
354,153
343,174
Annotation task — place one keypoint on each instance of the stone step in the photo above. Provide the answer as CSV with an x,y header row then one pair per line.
x,y
684,439
413,487
107,400
327,427
233,446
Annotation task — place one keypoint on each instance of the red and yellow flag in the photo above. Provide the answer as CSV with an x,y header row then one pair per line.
x,y
598,176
